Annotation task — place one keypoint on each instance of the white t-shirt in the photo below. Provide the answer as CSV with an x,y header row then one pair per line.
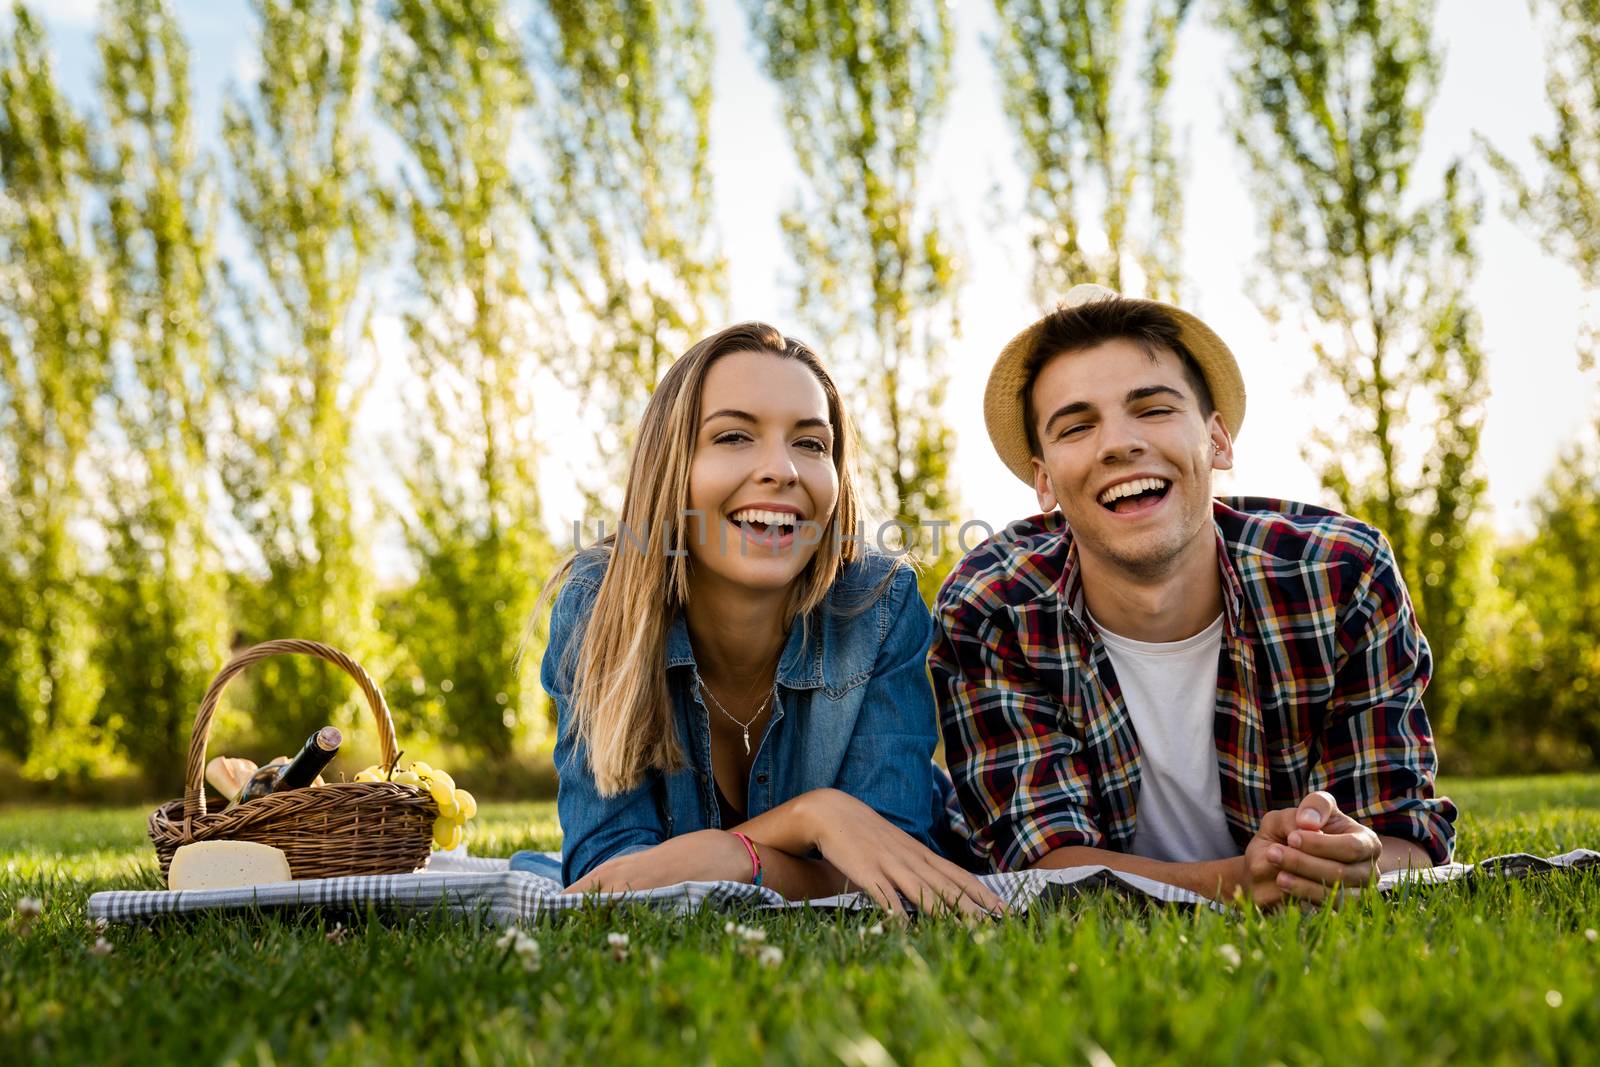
x,y
1170,689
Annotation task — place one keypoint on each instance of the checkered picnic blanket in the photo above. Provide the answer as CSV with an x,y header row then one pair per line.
x,y
459,882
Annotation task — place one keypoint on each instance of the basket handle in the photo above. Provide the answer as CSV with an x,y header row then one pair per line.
x,y
194,798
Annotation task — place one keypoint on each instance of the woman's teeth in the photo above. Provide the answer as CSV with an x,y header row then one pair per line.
x,y
766,518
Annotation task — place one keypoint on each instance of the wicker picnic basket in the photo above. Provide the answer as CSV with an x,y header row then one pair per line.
x,y
330,830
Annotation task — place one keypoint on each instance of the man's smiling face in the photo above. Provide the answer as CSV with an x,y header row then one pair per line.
x,y
1127,454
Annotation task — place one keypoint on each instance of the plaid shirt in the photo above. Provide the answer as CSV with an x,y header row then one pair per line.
x,y
1319,686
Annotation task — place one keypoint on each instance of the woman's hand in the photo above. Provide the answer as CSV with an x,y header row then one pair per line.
x,y
703,856
874,856
887,863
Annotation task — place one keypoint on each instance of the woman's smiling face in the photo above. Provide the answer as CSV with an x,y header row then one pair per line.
x,y
762,477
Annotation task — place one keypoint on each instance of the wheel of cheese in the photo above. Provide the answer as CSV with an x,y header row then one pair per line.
x,y
227,865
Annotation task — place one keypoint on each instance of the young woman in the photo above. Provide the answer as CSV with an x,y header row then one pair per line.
x,y
740,686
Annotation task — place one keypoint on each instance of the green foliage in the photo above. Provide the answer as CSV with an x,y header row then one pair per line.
x,y
1094,978
1060,62
624,129
304,194
455,88
165,596
1545,650
864,86
1331,102
159,405
1543,645
55,359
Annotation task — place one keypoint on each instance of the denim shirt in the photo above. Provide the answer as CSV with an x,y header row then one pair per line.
x,y
854,712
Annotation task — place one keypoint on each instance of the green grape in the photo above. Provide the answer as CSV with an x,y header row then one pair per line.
x,y
447,833
444,796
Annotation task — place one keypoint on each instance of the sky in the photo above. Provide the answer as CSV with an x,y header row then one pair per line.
x,y
1493,86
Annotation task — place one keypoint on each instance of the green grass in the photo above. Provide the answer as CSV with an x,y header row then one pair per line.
x,y
1457,974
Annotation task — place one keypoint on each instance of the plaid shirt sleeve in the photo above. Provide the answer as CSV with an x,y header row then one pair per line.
x,y
1377,754
1022,780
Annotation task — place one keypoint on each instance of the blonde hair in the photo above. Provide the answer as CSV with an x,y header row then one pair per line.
x,y
620,702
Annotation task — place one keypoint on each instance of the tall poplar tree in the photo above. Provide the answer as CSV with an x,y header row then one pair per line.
x,y
304,194
1332,96
1097,152
1562,204
455,88
864,86
55,339
623,204
1551,661
166,619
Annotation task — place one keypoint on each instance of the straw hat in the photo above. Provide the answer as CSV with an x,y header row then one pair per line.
x,y
1002,399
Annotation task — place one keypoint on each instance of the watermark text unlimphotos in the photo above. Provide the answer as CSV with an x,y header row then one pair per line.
x,y
892,536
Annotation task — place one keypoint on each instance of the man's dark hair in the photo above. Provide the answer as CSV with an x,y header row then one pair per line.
x,y
1076,328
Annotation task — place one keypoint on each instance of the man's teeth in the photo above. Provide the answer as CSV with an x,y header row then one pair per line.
x,y
770,518
1138,485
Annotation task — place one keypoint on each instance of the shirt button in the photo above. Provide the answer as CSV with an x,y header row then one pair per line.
x,y
761,779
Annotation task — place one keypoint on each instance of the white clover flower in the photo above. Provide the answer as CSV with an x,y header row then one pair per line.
x,y
770,956
33,907
102,947
520,943
1553,998
1591,935
1231,957
619,945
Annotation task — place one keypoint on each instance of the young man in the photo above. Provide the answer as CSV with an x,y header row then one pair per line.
x,y
1225,695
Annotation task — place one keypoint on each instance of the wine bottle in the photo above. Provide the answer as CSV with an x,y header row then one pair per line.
x,y
298,772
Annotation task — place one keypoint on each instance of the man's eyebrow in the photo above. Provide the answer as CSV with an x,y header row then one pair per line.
x,y
1076,408
745,416
1145,392
1079,407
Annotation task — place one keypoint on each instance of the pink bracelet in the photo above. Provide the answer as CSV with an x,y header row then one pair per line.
x,y
755,857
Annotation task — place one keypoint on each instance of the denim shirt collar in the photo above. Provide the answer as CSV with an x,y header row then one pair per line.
x,y
800,666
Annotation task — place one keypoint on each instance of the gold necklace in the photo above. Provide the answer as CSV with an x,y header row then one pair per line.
x,y
705,691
